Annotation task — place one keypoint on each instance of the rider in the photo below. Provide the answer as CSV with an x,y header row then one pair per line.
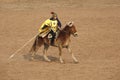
x,y
51,25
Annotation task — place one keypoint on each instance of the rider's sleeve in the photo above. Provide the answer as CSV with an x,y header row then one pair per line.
x,y
45,25
59,23
47,22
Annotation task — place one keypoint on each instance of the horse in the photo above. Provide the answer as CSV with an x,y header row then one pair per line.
x,y
62,41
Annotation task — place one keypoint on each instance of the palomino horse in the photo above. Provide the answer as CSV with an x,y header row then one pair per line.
x,y
62,41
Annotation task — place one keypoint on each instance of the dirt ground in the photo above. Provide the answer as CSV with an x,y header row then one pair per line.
x,y
97,47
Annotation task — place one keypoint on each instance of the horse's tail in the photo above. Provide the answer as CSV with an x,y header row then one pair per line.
x,y
37,43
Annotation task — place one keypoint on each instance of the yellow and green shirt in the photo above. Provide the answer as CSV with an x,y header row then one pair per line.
x,y
51,24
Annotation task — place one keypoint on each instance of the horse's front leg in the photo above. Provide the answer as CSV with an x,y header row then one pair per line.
x,y
60,54
70,51
45,52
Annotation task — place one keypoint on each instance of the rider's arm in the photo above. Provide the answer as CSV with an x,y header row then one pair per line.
x,y
59,23
45,25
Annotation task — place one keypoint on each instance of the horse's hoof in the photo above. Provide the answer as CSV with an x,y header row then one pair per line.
x,y
31,59
62,62
48,60
76,62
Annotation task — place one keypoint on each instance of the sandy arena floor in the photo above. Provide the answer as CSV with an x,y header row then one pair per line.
x,y
97,48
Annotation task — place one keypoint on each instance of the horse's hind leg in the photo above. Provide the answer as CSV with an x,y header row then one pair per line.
x,y
45,52
74,58
34,52
36,45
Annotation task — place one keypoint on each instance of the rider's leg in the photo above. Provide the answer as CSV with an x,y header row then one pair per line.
x,y
53,37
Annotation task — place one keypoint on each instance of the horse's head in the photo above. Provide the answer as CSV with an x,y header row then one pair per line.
x,y
72,29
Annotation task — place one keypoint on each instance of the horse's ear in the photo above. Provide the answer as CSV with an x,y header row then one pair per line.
x,y
70,23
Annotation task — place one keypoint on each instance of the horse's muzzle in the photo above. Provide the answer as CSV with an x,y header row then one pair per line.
x,y
75,35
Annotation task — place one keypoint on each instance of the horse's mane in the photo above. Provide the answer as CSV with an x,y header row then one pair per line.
x,y
67,26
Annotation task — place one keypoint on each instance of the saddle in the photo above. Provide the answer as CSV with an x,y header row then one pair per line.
x,y
53,37
44,34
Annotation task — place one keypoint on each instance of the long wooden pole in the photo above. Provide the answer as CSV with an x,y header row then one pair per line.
x,y
22,47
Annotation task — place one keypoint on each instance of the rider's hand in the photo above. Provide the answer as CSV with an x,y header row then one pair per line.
x,y
59,28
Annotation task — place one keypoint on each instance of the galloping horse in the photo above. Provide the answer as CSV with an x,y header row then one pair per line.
x,y
62,41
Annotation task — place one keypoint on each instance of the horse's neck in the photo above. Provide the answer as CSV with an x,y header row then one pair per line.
x,y
66,30
65,33
64,37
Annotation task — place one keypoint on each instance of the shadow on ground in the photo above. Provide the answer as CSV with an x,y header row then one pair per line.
x,y
39,58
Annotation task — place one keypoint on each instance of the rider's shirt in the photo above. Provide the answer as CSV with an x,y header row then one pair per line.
x,y
51,24
54,25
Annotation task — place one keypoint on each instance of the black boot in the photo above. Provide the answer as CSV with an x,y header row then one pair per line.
x,y
53,37
52,41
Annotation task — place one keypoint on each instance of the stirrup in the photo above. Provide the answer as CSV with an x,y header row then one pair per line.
x,y
50,36
52,43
